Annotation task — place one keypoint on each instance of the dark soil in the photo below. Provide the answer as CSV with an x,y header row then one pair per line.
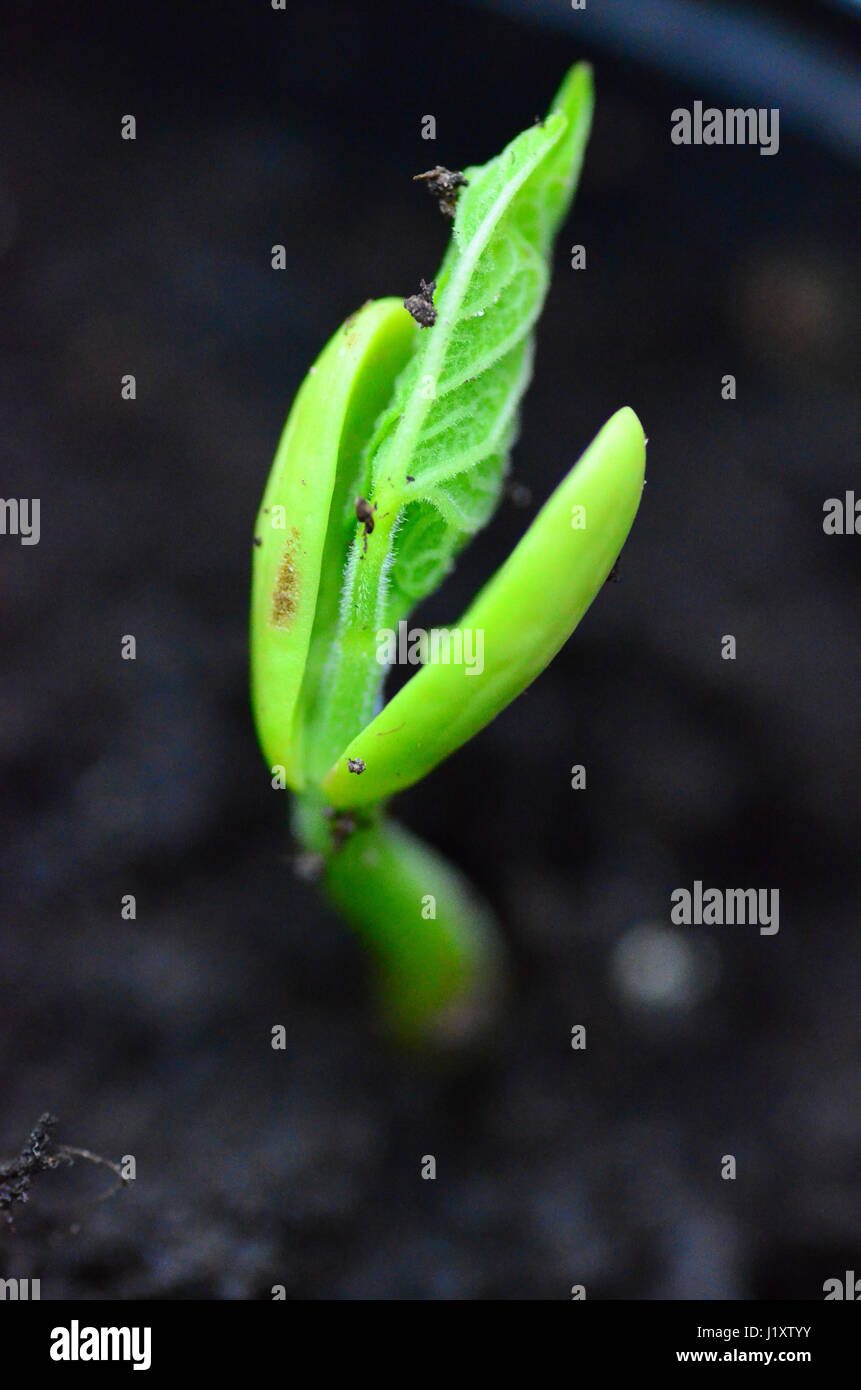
x,y
151,1037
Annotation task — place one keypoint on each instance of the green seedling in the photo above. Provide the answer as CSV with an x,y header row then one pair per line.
x,y
393,456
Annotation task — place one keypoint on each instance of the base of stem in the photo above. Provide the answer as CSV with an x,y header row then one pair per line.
x,y
438,958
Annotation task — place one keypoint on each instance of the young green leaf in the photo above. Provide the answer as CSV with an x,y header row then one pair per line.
x,y
435,463
524,615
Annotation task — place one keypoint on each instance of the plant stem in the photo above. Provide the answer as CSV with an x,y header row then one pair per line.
x,y
435,946
353,679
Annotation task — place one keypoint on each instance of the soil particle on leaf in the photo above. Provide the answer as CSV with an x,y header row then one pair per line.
x,y
443,184
365,514
421,305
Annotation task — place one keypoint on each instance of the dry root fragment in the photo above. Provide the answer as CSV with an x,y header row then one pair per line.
x,y
41,1154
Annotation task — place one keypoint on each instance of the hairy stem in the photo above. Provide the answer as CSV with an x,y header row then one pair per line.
x,y
353,680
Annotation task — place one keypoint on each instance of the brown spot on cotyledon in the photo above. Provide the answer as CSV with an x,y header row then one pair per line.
x,y
285,596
